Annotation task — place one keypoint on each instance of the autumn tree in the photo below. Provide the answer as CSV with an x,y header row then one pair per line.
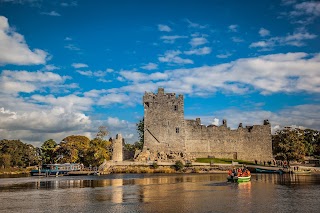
x,y
5,160
48,151
288,144
73,149
312,142
99,150
16,153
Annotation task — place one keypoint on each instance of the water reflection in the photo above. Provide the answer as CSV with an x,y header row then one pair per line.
x,y
160,193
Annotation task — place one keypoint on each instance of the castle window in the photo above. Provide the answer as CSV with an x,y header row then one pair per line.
x,y
175,108
177,130
146,104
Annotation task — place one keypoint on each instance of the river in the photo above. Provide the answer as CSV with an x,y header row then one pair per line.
x,y
161,193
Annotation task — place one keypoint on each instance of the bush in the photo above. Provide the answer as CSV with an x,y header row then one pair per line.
x,y
155,165
179,165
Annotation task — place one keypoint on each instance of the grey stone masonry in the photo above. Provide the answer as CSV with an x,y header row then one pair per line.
x,y
117,145
166,131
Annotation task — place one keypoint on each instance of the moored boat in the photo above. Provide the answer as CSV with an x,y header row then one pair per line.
x,y
55,169
268,171
302,172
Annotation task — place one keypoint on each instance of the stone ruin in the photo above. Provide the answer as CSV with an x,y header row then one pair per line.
x,y
168,136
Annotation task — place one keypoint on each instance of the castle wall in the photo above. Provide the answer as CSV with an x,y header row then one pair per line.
x,y
243,143
166,130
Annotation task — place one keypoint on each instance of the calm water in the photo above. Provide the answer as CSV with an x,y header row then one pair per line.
x,y
161,193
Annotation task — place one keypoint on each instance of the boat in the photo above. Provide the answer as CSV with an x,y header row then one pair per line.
x,y
239,175
302,172
55,169
279,171
239,179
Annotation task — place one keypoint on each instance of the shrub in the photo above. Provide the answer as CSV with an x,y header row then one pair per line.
x,y
179,165
155,165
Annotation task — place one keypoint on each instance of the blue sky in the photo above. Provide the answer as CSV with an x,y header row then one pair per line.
x,y
68,67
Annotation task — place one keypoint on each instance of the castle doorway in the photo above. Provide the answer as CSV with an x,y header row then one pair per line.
x,y
235,156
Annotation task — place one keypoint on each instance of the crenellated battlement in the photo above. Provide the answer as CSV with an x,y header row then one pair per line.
x,y
161,96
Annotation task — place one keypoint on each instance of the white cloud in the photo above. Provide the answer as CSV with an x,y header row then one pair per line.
x,y
295,39
14,50
200,51
85,72
72,47
32,3
198,41
139,76
171,39
79,65
233,28
150,66
196,25
50,67
24,81
164,28
52,13
301,115
215,121
289,73
288,2
237,39
226,55
69,102
68,39
98,74
114,98
109,70
171,56
116,122
69,4
264,32
311,8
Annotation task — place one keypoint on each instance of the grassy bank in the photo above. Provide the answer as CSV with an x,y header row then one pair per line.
x,y
167,169
15,171
222,161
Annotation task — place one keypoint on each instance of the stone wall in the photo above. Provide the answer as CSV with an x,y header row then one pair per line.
x,y
166,131
248,143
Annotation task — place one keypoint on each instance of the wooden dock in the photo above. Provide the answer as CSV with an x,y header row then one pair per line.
x,y
82,173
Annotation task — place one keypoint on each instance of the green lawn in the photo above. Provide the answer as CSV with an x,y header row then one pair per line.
x,y
222,160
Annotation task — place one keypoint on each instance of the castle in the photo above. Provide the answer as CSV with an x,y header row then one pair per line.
x,y
167,135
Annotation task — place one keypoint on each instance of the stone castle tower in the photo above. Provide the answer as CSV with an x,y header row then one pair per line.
x,y
163,121
117,151
166,132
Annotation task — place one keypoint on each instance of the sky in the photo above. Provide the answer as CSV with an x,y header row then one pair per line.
x,y
68,67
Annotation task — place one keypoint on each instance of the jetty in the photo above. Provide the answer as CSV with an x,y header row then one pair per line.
x,y
82,173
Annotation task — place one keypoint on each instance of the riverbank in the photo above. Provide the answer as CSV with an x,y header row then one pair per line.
x,y
15,171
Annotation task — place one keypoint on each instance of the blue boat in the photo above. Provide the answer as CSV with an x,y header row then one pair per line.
x,y
55,169
279,171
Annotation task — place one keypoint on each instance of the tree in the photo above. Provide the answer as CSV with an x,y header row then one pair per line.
x,y
73,149
103,132
48,151
140,129
16,153
98,151
312,142
288,144
5,160
30,156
